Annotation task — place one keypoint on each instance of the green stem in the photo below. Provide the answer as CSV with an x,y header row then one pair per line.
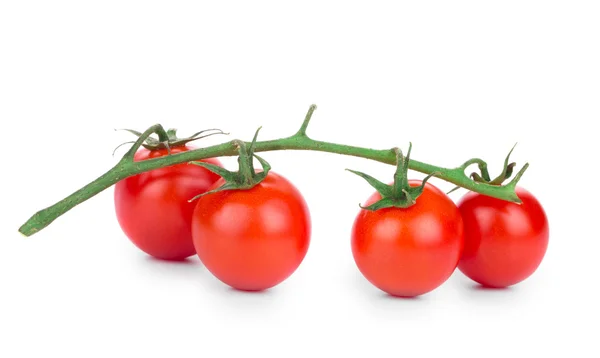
x,y
246,168
299,141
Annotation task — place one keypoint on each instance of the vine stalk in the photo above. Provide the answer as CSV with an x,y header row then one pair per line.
x,y
299,141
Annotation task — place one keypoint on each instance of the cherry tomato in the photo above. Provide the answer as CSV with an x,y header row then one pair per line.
x,y
252,239
409,252
153,210
504,242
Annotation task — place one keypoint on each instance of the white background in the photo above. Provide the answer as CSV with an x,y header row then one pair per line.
x,y
457,78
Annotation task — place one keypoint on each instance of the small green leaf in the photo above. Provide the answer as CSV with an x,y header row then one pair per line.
x,y
182,141
413,193
253,143
383,189
220,171
195,135
485,174
507,169
380,204
409,199
150,141
476,177
420,188
515,180
226,186
506,173
266,167
139,134
168,139
172,134
120,145
453,190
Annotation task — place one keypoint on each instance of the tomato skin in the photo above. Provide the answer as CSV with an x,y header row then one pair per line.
x,y
504,242
409,252
153,210
252,239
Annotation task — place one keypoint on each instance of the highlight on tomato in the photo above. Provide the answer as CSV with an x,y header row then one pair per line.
x,y
408,236
252,228
153,208
505,242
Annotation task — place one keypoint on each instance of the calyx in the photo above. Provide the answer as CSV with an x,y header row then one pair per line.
x,y
246,177
400,194
168,139
484,177
507,171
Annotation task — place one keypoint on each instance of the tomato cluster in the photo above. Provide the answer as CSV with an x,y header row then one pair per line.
x,y
410,251
256,238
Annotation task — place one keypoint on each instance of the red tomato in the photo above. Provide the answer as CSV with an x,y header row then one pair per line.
x,y
252,239
504,242
153,209
409,252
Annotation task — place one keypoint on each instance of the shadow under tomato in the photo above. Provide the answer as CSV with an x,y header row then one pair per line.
x,y
235,291
242,302
376,294
387,296
189,268
215,286
479,287
186,261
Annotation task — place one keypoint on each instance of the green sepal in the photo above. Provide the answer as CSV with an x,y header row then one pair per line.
x,y
453,190
220,171
266,168
172,134
120,145
169,138
484,177
243,179
507,171
382,188
476,177
136,133
400,194
485,174
380,204
149,143
226,186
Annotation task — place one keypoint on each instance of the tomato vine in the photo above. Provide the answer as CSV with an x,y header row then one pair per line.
x,y
477,182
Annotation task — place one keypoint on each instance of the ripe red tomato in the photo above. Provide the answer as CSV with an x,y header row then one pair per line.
x,y
504,242
409,252
252,239
153,210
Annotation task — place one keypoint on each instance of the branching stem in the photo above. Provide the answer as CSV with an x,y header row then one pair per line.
x,y
299,141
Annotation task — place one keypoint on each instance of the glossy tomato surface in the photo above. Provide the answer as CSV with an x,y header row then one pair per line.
x,y
409,252
153,209
252,239
504,242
